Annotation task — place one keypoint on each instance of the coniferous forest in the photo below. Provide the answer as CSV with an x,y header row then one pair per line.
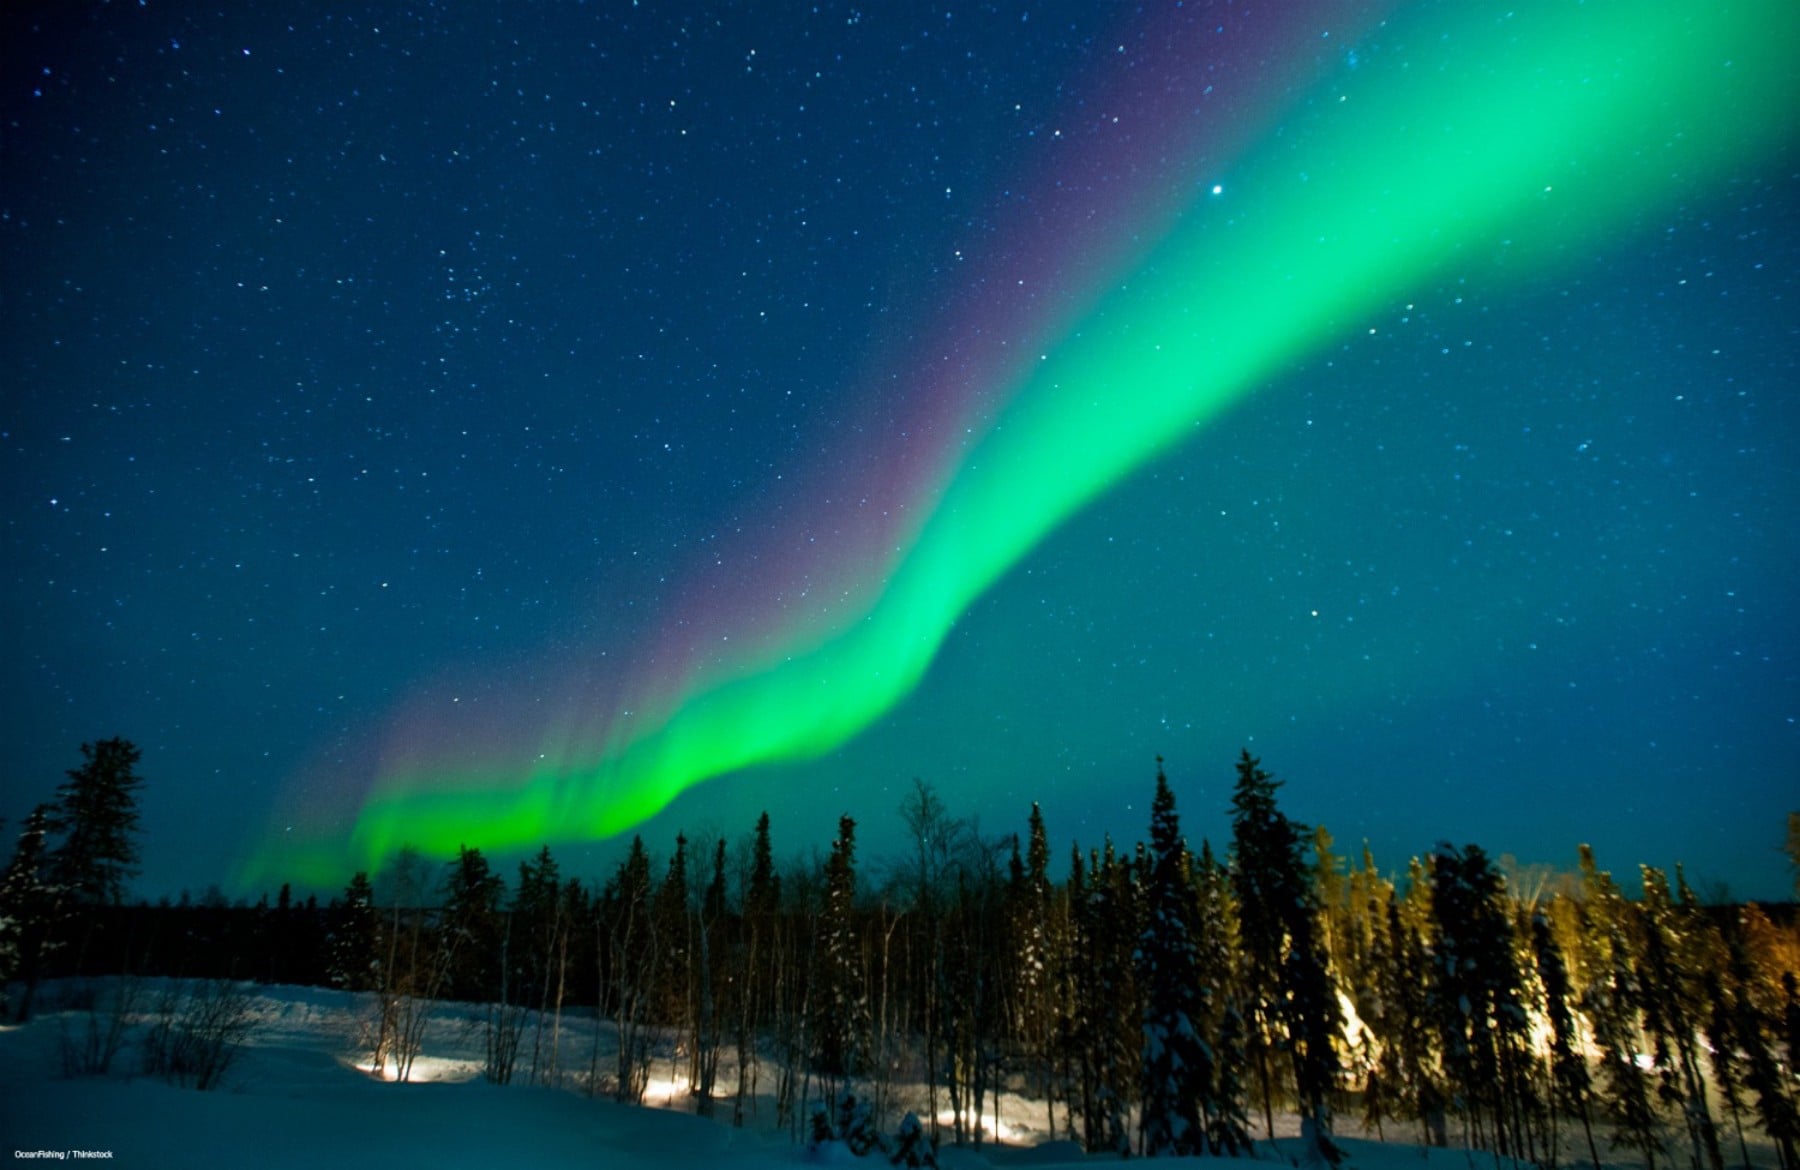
x,y
1154,997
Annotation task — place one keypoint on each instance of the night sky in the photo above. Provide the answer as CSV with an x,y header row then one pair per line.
x,y
512,423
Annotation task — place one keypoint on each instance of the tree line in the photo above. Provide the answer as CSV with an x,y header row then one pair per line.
x,y
1152,999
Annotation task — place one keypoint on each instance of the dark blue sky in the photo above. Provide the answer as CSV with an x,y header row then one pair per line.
x,y
347,355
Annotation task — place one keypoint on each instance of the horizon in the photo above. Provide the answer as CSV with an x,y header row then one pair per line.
x,y
595,869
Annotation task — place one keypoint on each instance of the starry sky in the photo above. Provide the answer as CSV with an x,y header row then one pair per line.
x,y
511,424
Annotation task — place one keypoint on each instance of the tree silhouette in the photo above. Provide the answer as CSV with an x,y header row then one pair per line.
x,y
1289,985
28,910
841,1009
1176,1070
354,963
96,811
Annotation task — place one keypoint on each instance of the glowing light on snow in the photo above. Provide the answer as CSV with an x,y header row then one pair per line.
x,y
426,1070
1354,1029
992,1128
663,1090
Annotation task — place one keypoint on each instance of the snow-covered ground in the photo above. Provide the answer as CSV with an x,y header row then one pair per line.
x,y
295,1097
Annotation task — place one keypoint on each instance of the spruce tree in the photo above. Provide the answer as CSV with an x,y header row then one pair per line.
x,y
97,814
471,928
673,928
1671,998
1120,1022
1611,1004
354,962
1081,1025
840,1012
1570,1083
756,964
1361,953
1286,969
1407,1064
1176,1069
1763,1072
28,910
536,912
1029,924
1725,1048
1479,1009
1107,1020
1315,1024
1262,856
1224,1105
1228,1128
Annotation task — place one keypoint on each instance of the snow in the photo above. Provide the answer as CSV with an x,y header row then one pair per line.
x,y
295,1097
149,1124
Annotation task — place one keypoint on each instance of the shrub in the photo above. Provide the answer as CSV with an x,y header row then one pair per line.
x,y
196,1033
88,1049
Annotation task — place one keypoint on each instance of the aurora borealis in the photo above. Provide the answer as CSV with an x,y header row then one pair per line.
x,y
1319,380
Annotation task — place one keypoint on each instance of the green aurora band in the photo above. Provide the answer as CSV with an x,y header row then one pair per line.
x,y
1470,143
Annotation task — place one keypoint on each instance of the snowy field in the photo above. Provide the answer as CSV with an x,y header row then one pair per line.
x,y
295,1097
